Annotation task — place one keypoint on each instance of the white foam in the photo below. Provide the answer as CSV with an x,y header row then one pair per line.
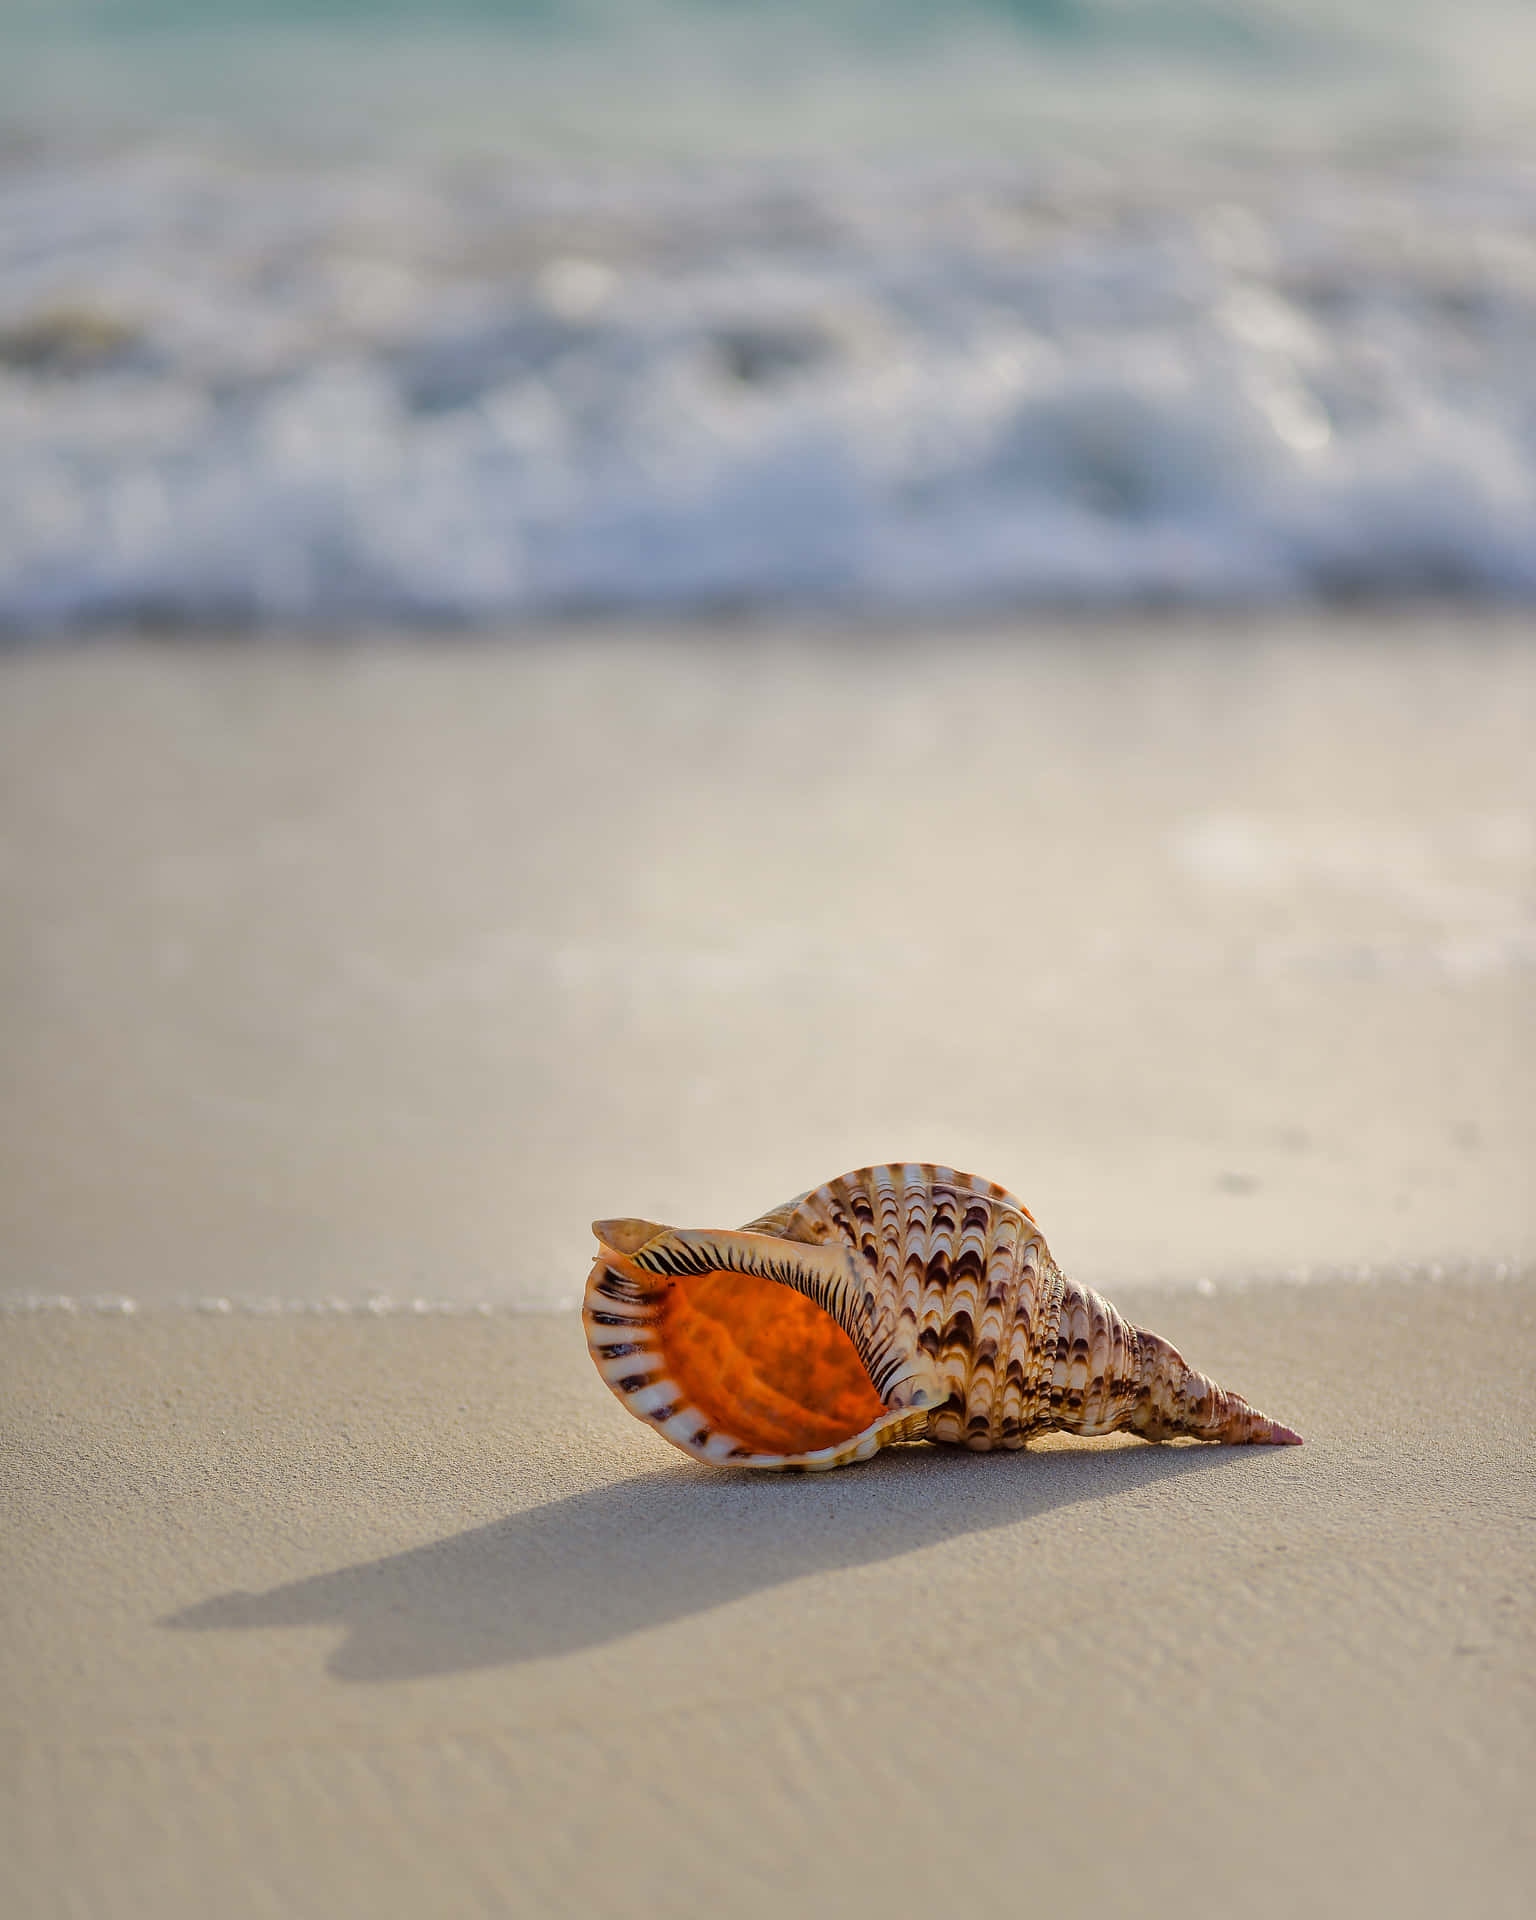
x,y
361,392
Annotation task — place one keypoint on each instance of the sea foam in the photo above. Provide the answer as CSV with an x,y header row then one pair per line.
x,y
416,392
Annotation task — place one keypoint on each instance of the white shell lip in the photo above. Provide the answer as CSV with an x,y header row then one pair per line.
x,y
904,1423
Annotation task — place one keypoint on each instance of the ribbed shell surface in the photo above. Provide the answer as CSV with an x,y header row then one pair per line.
x,y
954,1267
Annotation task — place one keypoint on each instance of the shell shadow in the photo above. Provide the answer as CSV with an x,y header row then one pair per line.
x,y
594,1566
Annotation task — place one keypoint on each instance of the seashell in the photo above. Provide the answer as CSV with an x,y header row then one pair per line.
x,y
896,1303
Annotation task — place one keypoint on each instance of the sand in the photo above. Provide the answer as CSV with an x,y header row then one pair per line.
x,y
316,1616
385,968
368,974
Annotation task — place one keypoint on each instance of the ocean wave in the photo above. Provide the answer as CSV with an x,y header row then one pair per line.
x,y
418,393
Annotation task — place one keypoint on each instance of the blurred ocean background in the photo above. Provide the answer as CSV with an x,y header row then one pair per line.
x,y
410,312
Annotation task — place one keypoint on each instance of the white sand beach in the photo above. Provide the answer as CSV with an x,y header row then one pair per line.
x,y
368,974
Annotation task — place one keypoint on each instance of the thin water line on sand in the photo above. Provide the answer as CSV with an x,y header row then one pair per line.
x,y
108,1306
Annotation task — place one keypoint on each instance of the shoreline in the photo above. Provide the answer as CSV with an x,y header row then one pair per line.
x,y
1393,621
1448,1273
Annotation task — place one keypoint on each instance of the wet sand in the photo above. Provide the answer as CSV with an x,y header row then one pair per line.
x,y
383,969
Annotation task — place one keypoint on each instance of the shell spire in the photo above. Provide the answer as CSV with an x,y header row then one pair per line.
x,y
903,1302
1109,1376
1174,1399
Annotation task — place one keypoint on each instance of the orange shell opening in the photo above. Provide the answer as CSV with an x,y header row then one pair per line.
x,y
764,1364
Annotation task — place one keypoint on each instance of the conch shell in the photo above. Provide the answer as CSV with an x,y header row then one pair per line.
x,y
897,1303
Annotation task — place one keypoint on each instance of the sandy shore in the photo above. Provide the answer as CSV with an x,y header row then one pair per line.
x,y
374,972
392,1617
384,968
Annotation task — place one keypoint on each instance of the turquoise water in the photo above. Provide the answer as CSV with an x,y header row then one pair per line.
x,y
774,77
478,312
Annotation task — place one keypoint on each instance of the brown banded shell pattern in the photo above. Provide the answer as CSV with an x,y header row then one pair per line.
x,y
947,1294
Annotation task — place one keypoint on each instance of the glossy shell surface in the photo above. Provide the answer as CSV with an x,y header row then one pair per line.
x,y
898,1302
